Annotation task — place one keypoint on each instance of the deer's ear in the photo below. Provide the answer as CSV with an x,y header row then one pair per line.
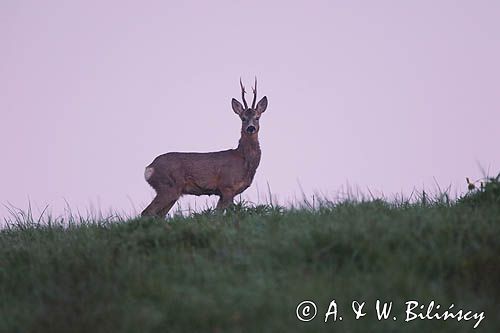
x,y
237,107
262,105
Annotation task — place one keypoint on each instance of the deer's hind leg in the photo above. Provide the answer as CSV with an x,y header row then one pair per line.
x,y
163,212
162,203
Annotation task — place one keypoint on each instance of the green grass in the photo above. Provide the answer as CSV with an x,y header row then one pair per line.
x,y
247,270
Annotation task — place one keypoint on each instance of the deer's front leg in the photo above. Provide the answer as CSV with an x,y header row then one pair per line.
x,y
225,200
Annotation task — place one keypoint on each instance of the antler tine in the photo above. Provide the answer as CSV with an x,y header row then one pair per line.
x,y
243,95
254,89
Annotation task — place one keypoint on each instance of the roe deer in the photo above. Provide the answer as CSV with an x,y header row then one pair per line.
x,y
224,173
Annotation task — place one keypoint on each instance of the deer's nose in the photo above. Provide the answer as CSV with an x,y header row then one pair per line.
x,y
251,129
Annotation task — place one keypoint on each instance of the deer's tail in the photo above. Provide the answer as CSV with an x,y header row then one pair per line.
x,y
148,173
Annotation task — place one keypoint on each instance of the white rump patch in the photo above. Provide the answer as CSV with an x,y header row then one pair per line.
x,y
148,173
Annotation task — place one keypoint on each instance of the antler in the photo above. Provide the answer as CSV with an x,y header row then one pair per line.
x,y
243,95
254,94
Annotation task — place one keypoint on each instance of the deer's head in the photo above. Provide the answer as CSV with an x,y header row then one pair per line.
x,y
249,115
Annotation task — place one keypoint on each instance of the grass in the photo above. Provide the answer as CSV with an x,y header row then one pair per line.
x,y
248,269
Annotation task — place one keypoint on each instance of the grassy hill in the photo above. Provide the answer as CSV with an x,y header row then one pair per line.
x,y
247,270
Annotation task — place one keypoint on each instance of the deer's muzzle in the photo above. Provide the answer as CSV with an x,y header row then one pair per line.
x,y
251,129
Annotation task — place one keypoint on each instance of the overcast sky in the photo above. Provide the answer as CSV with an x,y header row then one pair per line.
x,y
389,96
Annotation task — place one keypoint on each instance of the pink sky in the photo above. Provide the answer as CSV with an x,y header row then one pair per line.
x,y
385,95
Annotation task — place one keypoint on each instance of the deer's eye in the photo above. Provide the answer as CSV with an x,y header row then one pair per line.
x,y
244,119
257,118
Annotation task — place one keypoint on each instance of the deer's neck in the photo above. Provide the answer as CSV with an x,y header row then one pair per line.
x,y
250,150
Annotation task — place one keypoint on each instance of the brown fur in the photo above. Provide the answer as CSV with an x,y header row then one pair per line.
x,y
224,173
